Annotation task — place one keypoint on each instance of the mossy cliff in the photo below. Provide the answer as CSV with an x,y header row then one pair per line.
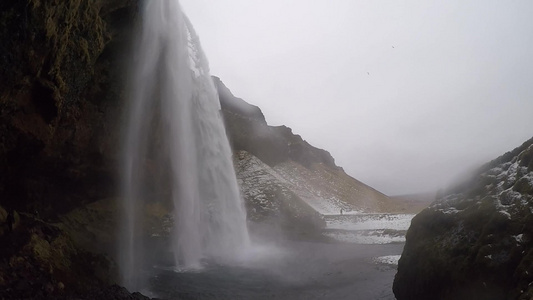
x,y
62,71
61,96
476,240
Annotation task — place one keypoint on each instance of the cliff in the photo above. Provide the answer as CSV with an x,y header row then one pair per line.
x,y
476,240
61,99
312,173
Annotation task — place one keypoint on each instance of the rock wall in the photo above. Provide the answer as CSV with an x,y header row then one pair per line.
x,y
476,240
61,96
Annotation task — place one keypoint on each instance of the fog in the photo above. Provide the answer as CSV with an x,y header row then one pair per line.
x,y
405,95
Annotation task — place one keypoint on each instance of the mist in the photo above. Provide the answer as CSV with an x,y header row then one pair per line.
x,y
405,95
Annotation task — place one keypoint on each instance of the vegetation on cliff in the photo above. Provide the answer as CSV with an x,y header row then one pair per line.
x,y
60,99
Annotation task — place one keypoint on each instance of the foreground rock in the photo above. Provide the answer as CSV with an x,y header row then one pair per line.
x,y
476,240
39,260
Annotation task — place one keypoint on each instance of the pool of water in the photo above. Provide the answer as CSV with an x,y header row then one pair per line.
x,y
290,270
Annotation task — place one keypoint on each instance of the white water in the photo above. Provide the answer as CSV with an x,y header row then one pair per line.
x,y
175,125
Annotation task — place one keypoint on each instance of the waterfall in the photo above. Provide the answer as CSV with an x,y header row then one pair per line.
x,y
175,128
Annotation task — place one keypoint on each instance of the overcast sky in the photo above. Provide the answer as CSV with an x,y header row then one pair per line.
x,y
405,95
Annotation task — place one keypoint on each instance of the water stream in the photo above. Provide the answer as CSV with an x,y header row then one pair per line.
x,y
176,137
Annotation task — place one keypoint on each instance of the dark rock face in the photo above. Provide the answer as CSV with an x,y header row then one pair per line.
x,y
248,130
38,261
476,240
60,100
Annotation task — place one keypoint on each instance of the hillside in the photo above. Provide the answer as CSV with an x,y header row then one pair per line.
x,y
310,172
415,203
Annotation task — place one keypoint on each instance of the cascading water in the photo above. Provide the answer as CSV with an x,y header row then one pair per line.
x,y
175,127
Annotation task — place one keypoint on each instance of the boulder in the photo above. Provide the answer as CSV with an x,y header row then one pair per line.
x,y
38,261
476,240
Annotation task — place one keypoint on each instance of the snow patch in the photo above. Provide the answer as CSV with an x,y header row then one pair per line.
x,y
388,260
368,229
518,238
369,221
362,238
503,212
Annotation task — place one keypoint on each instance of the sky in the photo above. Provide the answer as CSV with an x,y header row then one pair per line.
x,y
405,95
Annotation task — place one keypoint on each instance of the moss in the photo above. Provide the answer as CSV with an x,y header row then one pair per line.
x,y
524,186
71,28
59,93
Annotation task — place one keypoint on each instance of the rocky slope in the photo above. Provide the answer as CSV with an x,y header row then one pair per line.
x,y
415,203
311,172
270,201
476,240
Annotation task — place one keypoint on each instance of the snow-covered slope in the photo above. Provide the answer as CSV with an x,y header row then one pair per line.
x,y
328,190
269,199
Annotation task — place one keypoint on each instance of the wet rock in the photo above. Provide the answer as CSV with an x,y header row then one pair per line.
x,y
62,91
38,260
475,241
114,292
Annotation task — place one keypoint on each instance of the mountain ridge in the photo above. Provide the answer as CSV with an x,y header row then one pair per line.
x,y
319,178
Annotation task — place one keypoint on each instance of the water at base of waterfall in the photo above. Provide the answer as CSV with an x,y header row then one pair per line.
x,y
175,134
302,270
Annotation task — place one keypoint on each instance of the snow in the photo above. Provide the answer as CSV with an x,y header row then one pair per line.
x,y
324,191
518,238
388,260
503,212
450,211
366,238
368,229
370,221
529,178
